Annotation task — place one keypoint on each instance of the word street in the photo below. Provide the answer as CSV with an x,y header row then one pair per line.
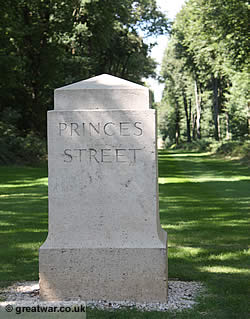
x,y
104,155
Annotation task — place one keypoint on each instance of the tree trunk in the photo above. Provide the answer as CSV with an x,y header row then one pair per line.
x,y
227,126
194,122
198,110
188,116
216,109
177,124
248,118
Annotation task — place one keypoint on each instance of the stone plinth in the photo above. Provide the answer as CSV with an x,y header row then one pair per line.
x,y
105,239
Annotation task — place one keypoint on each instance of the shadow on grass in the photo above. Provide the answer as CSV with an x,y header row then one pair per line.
x,y
199,166
214,212
23,223
204,206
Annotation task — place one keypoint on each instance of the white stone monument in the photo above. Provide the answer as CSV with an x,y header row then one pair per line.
x,y
105,241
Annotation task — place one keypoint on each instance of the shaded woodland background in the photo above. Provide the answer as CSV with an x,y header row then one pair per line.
x,y
46,44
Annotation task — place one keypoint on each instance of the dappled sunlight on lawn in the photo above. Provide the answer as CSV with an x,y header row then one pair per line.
x,y
24,195
201,179
173,154
26,183
236,255
224,269
23,223
204,207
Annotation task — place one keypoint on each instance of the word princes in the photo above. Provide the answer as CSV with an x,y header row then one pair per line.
x,y
107,128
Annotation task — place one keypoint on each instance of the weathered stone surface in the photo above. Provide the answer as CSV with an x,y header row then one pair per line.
x,y
105,239
137,274
102,92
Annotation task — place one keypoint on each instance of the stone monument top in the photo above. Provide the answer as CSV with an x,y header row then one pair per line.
x,y
102,92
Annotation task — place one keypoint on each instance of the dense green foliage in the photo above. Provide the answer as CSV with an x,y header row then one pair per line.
x,y
203,206
45,44
17,149
205,73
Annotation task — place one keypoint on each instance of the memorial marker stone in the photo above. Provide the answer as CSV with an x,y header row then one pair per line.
x,y
105,240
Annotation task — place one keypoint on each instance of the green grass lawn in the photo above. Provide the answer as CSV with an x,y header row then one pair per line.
x,y
23,221
204,206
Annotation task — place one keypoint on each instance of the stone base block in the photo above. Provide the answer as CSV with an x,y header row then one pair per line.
x,y
136,274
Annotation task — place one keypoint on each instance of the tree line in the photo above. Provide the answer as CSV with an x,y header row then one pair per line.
x,y
205,73
45,44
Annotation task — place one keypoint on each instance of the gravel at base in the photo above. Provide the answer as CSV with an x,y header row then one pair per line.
x,y
181,295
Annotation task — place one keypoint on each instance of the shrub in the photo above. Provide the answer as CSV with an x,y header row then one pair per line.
x,y
237,149
18,149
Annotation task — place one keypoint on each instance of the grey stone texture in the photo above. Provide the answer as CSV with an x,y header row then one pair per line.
x,y
105,240
102,92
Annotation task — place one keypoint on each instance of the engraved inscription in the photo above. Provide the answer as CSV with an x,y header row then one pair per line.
x,y
98,155
95,129
104,155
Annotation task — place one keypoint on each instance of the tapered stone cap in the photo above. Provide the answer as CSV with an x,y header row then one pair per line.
x,y
102,92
